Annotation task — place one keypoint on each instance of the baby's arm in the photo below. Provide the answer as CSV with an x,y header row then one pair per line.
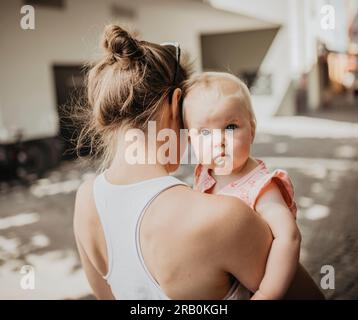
x,y
284,254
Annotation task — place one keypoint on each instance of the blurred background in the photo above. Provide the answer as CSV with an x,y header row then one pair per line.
x,y
299,59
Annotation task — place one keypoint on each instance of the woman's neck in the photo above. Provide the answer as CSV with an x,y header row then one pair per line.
x,y
133,173
123,170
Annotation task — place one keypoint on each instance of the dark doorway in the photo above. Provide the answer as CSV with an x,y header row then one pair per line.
x,y
240,53
69,83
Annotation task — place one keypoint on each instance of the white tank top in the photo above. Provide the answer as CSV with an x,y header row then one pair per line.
x,y
121,209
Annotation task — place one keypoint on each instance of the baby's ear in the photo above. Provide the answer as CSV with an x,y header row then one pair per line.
x,y
253,130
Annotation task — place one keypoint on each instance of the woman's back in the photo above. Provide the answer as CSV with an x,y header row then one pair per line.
x,y
157,241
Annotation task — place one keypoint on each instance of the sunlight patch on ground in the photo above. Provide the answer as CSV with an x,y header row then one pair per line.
x,y
263,138
303,255
306,127
8,247
305,202
334,176
40,240
49,189
317,212
13,248
18,220
51,186
316,171
345,151
309,163
280,147
54,273
317,188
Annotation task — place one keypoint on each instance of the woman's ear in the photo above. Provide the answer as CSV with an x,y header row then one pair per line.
x,y
175,106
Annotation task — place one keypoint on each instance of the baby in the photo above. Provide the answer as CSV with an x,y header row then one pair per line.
x,y
222,101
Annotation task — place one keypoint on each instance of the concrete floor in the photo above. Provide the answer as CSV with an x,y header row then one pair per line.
x,y
320,155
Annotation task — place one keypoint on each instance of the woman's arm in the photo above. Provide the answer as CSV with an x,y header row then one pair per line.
x,y
90,241
99,286
284,254
242,240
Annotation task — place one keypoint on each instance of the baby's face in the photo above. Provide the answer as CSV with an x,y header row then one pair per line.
x,y
206,111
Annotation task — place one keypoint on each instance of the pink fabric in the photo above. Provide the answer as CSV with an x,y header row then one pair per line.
x,y
251,186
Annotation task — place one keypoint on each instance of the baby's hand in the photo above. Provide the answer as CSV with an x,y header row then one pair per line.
x,y
259,296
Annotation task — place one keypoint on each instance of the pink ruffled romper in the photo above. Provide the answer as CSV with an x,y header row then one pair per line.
x,y
249,187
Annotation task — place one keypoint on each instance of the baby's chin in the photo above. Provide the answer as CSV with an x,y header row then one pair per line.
x,y
222,165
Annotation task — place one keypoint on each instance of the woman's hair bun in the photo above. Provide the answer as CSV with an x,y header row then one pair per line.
x,y
120,44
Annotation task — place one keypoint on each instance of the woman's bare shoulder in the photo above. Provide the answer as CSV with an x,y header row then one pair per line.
x,y
214,219
236,239
85,208
87,227
217,210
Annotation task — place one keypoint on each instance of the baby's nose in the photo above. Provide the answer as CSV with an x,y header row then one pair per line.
x,y
219,141
219,144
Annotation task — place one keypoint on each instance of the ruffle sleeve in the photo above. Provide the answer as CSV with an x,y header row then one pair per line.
x,y
283,182
203,181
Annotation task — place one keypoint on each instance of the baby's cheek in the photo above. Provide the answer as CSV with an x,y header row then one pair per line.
x,y
241,148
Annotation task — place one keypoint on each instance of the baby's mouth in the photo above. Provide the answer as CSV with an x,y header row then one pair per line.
x,y
220,158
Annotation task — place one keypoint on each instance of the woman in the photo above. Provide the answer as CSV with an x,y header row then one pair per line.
x,y
141,233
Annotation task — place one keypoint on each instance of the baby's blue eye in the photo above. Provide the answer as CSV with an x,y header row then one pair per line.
x,y
231,127
205,132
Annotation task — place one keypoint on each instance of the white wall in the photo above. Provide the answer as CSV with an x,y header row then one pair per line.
x,y
184,21
278,61
274,11
292,53
26,79
27,93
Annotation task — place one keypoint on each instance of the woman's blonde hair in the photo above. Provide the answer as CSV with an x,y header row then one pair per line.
x,y
126,87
